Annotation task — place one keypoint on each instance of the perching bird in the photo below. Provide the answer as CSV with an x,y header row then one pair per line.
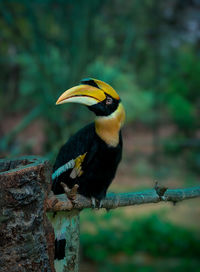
x,y
91,156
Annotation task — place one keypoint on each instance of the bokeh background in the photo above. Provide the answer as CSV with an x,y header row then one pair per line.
x,y
149,52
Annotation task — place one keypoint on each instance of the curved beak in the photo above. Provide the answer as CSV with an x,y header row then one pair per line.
x,y
83,94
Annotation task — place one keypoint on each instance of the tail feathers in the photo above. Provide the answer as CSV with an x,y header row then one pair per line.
x,y
60,225
60,248
66,233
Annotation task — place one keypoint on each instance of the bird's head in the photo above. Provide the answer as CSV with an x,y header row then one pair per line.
x,y
99,96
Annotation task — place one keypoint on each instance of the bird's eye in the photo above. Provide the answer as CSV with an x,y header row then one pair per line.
x,y
109,100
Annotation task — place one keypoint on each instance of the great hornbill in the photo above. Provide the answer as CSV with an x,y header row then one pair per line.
x,y
91,156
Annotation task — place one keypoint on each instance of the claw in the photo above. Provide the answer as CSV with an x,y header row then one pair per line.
x,y
96,204
93,200
101,203
71,193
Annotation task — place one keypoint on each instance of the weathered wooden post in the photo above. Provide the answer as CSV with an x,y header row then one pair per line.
x,y
26,236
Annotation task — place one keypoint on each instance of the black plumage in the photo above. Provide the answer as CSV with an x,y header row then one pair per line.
x,y
89,158
99,165
60,249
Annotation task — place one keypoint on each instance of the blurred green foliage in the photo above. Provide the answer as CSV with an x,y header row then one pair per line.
x,y
106,236
184,266
149,52
183,94
151,235
182,100
143,48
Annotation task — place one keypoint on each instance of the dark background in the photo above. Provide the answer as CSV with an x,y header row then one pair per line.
x,y
149,52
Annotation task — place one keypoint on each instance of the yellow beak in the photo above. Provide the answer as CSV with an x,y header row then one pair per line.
x,y
83,94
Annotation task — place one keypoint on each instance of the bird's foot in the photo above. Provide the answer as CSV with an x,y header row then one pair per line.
x,y
101,203
93,202
70,193
96,204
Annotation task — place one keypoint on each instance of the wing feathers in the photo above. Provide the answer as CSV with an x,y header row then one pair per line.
x,y
77,170
74,164
64,168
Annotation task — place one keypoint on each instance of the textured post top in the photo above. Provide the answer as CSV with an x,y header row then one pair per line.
x,y
21,164
26,170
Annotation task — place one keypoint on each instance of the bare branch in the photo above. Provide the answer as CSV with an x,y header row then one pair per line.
x,y
113,201
160,190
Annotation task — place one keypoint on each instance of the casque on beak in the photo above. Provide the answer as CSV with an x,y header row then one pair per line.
x,y
83,94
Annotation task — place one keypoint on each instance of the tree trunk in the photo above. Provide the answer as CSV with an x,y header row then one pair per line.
x,y
26,236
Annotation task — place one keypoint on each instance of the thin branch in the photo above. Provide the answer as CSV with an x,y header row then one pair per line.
x,y
113,201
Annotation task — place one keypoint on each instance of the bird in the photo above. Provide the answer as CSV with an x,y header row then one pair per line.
x,y
90,157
